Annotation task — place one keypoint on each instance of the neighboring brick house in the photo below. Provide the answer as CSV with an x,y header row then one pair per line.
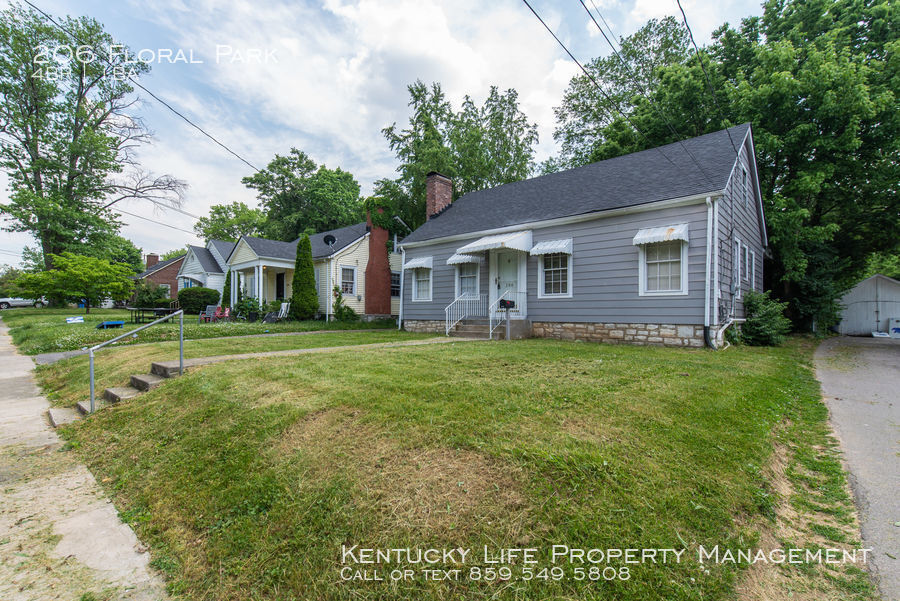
x,y
163,273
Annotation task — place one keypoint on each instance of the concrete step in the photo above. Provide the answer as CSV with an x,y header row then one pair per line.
x,y
146,381
59,416
169,369
120,393
84,407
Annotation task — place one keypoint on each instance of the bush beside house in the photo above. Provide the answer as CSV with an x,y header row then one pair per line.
x,y
766,324
195,300
304,297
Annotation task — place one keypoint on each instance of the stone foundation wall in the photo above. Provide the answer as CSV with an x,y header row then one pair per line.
x,y
630,333
424,325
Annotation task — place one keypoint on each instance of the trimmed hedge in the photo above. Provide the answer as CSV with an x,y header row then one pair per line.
x,y
195,300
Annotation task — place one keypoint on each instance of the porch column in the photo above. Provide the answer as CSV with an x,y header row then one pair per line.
x,y
259,283
233,289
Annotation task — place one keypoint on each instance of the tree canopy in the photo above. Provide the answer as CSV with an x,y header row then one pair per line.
x,y
298,196
478,147
819,82
76,278
230,222
69,138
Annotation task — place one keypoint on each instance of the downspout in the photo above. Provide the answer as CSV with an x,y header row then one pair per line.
x,y
402,272
706,302
327,290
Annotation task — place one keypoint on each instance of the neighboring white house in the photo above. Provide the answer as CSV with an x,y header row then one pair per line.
x,y
869,306
349,257
205,266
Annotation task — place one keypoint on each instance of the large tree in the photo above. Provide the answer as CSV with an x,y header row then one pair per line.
x,y
819,82
230,222
478,147
299,196
585,112
68,135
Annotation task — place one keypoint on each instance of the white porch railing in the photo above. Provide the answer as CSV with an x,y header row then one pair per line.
x,y
496,315
465,306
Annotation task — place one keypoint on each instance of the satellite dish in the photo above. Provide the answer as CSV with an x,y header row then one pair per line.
x,y
330,240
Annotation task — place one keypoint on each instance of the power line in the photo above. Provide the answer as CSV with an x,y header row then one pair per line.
x,y
706,75
641,87
596,84
155,97
157,222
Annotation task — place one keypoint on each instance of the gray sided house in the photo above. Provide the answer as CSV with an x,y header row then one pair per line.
x,y
205,266
655,247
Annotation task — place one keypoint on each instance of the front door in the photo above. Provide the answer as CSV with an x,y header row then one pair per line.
x,y
507,271
279,285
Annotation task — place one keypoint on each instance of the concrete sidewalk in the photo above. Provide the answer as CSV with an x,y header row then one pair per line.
x,y
860,380
60,537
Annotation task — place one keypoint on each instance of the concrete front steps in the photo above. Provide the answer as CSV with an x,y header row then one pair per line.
x,y
471,328
140,383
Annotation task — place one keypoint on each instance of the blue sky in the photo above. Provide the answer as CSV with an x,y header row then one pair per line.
x,y
328,76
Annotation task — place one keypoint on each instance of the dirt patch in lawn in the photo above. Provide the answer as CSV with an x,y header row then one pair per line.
x,y
426,490
795,526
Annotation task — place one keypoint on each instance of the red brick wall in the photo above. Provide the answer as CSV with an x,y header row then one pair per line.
x,y
438,193
166,275
378,272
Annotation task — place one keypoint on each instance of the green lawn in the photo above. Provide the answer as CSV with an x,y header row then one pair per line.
x,y
66,382
45,330
246,478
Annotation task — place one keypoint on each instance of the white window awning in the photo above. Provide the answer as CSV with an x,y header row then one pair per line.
x,y
669,233
514,241
418,263
552,247
459,259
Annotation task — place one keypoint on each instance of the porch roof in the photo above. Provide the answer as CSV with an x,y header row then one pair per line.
x,y
513,240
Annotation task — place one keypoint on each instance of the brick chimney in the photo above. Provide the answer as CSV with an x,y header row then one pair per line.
x,y
378,271
438,193
152,259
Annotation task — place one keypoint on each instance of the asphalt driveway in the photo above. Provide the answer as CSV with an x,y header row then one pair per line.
x,y
861,382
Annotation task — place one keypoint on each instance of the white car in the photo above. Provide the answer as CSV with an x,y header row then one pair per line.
x,y
6,303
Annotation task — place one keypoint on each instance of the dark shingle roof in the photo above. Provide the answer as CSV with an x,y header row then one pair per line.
x,y
159,266
223,247
207,260
288,250
628,180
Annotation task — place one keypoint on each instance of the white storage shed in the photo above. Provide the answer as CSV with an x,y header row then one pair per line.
x,y
870,306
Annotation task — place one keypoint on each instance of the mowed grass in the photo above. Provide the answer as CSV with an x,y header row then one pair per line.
x,y
246,478
67,381
37,331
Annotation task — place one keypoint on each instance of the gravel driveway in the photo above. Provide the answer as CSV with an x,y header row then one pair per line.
x,y
861,382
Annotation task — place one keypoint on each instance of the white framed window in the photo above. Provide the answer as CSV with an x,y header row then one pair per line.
x,y
736,275
316,273
555,275
348,280
745,262
421,284
746,186
752,270
167,288
467,280
662,269
395,283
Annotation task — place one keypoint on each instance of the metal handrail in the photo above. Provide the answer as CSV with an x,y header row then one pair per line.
x,y
179,313
463,306
492,310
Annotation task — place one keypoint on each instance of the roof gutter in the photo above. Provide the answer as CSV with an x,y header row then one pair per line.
x,y
649,206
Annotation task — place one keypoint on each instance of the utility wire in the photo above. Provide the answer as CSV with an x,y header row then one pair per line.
x,y
596,83
154,96
157,222
706,75
640,88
